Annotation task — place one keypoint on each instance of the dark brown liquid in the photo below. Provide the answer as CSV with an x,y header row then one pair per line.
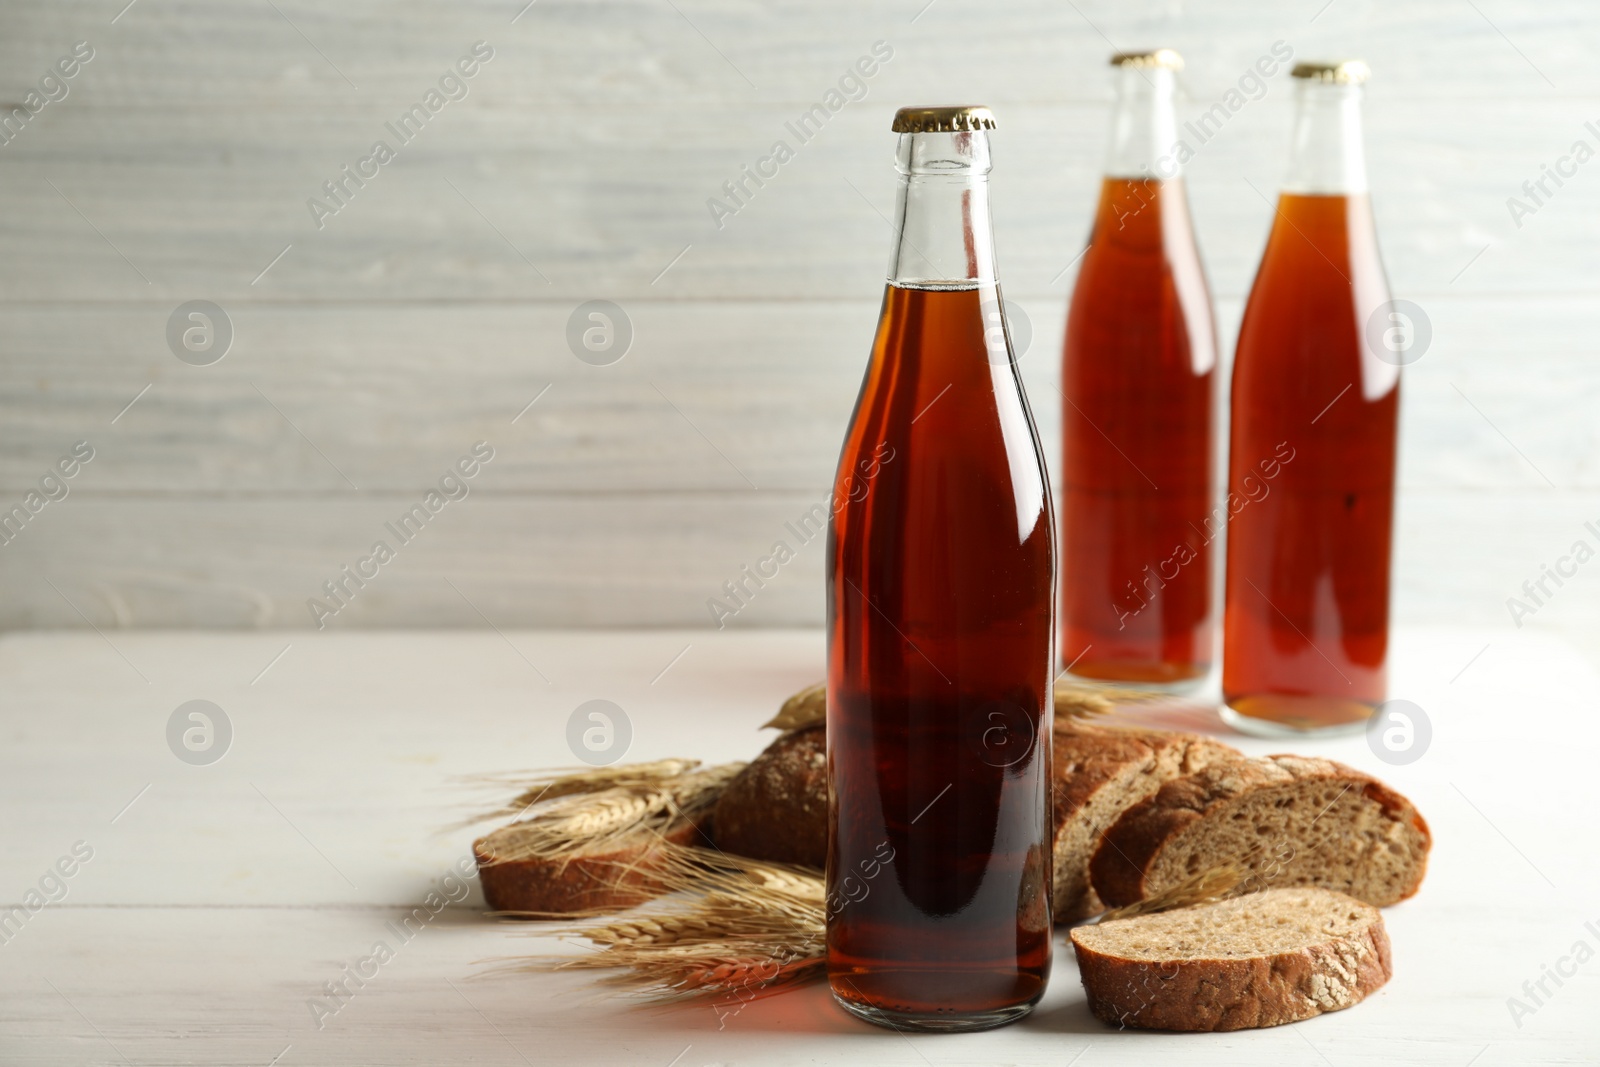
x,y
939,613
1306,628
1138,378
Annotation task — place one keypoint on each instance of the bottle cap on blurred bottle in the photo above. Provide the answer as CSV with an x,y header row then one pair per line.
x,y
1343,72
1155,59
942,119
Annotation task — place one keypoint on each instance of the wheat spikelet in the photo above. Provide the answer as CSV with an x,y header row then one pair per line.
x,y
803,887
1072,701
692,795
1078,701
806,708
536,787
736,972
657,930
578,822
740,928
600,815
581,822
738,878
1202,888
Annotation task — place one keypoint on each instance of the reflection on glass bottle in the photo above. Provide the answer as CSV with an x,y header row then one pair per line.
x,y
1138,420
1312,452
940,571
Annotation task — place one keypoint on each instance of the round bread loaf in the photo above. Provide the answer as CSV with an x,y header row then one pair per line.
x,y
777,807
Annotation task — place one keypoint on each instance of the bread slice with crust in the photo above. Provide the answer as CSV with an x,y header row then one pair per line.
x,y
1282,821
590,853
1101,770
1265,959
591,881
777,808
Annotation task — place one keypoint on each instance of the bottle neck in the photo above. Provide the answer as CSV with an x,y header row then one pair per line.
x,y
943,235
1144,128
1326,157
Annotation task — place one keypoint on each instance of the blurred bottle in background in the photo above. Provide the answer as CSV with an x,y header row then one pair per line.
x,y
1138,421
1311,461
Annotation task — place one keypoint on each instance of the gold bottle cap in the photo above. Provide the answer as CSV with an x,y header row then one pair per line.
x,y
1344,72
1156,59
942,119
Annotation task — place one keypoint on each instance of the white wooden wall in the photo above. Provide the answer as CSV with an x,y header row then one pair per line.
x,y
428,312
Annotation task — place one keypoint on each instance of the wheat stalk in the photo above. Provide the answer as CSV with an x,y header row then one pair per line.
x,y
589,821
809,706
692,795
571,825
1078,704
652,930
536,787
740,927
1202,888
740,970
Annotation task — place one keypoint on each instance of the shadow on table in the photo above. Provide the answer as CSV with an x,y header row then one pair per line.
x,y
807,1009
1072,1017
810,1010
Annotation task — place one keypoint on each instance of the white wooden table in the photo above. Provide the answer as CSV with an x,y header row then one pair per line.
x,y
220,899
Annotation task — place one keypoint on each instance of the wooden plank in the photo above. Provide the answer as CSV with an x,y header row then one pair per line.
x,y
192,53
515,204
392,396
416,321
625,559
565,560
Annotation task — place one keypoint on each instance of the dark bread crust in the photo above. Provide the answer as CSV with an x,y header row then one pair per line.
x,y
1101,770
777,807
611,872
1128,852
1237,993
623,876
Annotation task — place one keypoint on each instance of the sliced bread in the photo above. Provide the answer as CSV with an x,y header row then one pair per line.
x,y
1265,959
1282,820
1100,771
590,881
590,853
777,807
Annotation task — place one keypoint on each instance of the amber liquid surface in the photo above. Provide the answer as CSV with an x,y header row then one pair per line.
x,y
939,615
1306,622
1139,387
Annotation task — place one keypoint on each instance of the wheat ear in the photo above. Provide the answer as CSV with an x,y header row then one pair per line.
x,y
583,822
806,708
740,929
1202,888
537,787
809,706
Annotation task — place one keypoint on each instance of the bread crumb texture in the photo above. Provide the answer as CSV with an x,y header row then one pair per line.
x,y
1262,960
